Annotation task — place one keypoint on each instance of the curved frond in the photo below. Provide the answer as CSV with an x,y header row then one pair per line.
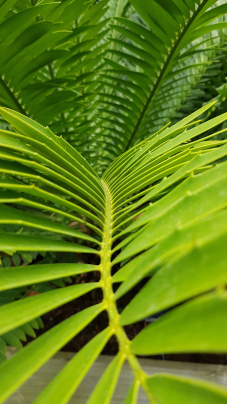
x,y
154,66
130,202
164,202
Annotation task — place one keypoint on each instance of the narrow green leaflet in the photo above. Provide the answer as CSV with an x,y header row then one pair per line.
x,y
50,165
132,393
55,146
196,163
105,388
189,207
164,148
11,215
168,389
2,346
180,241
14,242
20,276
137,152
192,184
12,339
27,328
31,307
196,326
15,168
66,382
23,364
48,196
21,198
195,267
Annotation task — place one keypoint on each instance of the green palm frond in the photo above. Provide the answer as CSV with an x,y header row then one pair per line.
x,y
90,167
17,336
46,62
156,64
210,87
177,185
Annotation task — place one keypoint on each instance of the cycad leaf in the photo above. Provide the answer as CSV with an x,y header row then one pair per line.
x,y
132,394
196,326
104,390
187,211
169,31
180,242
39,304
12,339
14,277
22,365
11,215
106,75
169,389
198,257
66,382
14,242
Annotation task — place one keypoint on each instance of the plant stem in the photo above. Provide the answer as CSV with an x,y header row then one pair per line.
x,y
109,297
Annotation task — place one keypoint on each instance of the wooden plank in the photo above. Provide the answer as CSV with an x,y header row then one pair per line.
x,y
27,393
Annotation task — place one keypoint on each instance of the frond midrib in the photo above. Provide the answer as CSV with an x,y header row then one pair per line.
x,y
109,296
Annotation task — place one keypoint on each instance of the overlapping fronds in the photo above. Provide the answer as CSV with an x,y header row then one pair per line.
x,y
50,61
164,201
154,65
17,336
104,176
103,74
211,87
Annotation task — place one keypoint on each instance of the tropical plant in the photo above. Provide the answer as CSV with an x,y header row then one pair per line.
x,y
111,179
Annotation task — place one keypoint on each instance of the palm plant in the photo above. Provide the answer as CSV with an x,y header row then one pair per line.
x,y
148,199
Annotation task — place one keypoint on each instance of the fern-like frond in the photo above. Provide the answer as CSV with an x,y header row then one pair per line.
x,y
160,208
49,62
153,66
105,177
